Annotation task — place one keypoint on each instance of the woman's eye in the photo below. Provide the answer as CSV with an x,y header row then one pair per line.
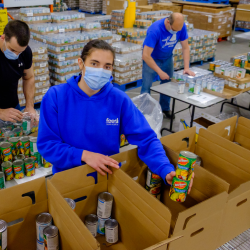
x,y
108,67
94,64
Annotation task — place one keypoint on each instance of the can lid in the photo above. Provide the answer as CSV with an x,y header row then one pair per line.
x,y
50,231
6,164
71,203
33,139
44,218
14,139
2,139
17,129
18,162
5,145
20,156
24,138
29,160
111,223
106,196
3,225
188,154
91,218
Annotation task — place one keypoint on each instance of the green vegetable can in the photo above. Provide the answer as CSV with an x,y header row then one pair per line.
x,y
185,165
178,190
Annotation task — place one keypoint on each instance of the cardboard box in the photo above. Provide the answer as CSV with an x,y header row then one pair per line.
x,y
144,8
197,219
167,6
143,220
242,15
20,206
202,120
229,162
233,131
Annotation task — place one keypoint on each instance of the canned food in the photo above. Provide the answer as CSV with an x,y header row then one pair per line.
x,y
181,87
236,62
101,225
122,140
91,222
111,231
19,157
18,132
185,165
17,125
197,89
198,160
178,190
15,146
33,145
243,63
26,126
248,57
8,171
9,125
241,73
39,245
3,235
104,208
212,66
2,139
6,154
8,134
71,203
29,167
50,235
18,167
25,146
43,220
2,181
45,163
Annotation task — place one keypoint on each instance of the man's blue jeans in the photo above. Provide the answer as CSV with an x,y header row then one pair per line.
x,y
148,76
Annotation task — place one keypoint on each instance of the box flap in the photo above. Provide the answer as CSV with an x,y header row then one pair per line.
x,y
243,132
225,128
183,140
162,245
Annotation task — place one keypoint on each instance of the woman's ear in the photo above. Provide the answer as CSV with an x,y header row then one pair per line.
x,y
80,63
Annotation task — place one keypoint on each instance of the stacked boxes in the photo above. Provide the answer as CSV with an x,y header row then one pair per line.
x,y
41,72
202,47
93,6
35,15
217,20
67,16
117,20
167,6
58,6
243,12
104,7
72,4
243,25
104,20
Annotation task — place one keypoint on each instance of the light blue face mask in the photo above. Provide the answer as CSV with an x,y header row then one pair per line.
x,y
96,78
172,32
9,54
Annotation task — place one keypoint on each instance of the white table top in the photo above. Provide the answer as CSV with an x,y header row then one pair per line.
x,y
170,89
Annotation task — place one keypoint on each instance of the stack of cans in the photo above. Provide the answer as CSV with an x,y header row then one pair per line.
x,y
184,172
154,184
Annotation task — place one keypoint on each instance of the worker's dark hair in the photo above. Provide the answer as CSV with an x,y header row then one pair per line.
x,y
93,45
171,19
19,30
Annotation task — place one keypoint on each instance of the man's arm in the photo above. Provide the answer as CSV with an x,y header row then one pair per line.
x,y
29,89
146,56
186,57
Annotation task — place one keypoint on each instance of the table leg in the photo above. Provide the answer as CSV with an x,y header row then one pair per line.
x,y
192,117
172,115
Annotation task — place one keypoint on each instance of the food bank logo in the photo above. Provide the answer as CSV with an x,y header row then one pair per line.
x,y
114,122
180,185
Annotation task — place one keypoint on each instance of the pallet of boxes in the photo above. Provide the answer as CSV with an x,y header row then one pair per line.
x,y
167,6
213,19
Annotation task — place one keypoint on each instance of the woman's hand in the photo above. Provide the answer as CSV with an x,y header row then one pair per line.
x,y
171,175
99,162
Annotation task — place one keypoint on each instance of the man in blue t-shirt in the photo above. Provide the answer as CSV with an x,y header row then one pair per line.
x,y
162,36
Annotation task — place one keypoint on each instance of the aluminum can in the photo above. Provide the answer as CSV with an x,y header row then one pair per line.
x,y
111,231
91,222
43,220
104,208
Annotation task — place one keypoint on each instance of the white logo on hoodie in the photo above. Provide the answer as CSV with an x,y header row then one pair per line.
x,y
112,121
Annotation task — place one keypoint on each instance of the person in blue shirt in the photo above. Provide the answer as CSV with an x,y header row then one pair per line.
x,y
81,121
162,36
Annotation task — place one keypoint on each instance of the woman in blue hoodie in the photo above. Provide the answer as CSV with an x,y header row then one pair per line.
x,y
81,121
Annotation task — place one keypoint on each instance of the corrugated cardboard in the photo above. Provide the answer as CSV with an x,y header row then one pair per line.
x,y
143,220
194,219
229,162
233,131
167,6
243,15
24,202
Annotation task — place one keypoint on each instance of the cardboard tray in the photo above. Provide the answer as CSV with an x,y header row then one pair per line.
x,y
68,20
67,73
37,53
63,67
239,81
54,32
234,131
228,92
228,161
211,5
66,51
38,14
37,22
68,58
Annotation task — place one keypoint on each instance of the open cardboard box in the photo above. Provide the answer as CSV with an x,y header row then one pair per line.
x,y
233,131
143,220
229,162
20,206
198,219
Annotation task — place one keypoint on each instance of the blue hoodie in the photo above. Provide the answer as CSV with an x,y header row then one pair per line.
x,y
71,121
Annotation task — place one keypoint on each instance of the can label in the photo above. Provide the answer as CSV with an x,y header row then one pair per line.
x,y
25,148
111,234
185,167
212,66
35,161
38,158
92,227
39,230
8,173
101,225
18,132
3,240
46,164
51,243
18,170
178,190
153,180
154,190
30,169
15,148
26,127
2,184
39,245
33,148
6,154
104,209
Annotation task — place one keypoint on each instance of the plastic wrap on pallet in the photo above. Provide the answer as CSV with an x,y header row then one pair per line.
x,y
72,3
243,25
67,16
93,6
219,20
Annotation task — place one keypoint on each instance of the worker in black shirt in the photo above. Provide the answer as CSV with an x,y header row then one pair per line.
x,y
15,63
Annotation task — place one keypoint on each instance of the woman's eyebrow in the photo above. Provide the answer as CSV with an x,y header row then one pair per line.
x,y
94,61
